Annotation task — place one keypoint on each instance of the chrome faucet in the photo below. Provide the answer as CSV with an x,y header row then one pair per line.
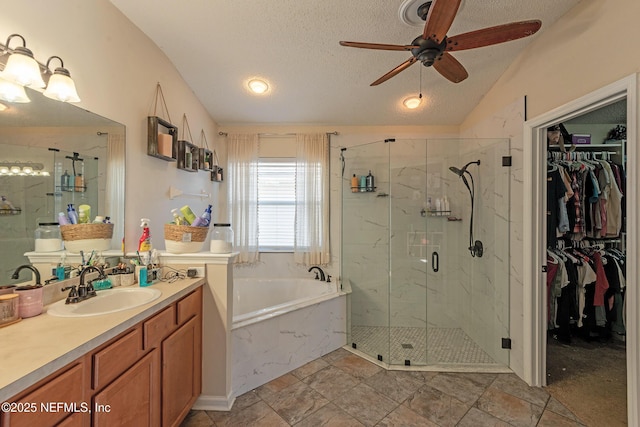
x,y
16,273
322,276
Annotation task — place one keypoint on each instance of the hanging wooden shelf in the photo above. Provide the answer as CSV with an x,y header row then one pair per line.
x,y
188,156
162,139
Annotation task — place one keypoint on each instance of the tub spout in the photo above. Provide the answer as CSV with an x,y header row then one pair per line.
x,y
322,276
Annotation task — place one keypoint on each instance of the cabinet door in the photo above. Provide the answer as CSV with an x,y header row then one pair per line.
x,y
181,371
65,389
132,399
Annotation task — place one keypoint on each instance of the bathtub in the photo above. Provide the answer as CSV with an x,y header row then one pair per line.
x,y
281,324
255,300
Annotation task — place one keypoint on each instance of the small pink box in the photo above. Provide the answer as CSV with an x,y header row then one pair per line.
x,y
580,138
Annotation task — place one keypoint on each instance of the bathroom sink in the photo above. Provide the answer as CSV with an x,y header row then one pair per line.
x,y
106,301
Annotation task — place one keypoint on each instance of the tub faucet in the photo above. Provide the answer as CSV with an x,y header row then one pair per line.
x,y
322,276
16,273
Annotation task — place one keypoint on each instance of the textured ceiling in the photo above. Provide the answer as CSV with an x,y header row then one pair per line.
x,y
217,45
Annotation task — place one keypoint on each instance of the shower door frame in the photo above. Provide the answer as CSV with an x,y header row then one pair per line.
x,y
534,278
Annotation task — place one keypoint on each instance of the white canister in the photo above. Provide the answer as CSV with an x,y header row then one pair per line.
x,y
48,237
221,239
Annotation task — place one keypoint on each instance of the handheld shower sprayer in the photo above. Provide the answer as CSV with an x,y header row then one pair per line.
x,y
475,247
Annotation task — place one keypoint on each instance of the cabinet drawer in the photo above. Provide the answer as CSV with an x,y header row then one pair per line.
x,y
159,327
116,358
66,388
190,306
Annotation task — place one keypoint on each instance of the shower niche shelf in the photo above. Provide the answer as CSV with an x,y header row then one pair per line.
x,y
442,214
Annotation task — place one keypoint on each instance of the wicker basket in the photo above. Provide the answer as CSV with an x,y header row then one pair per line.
x,y
180,239
87,237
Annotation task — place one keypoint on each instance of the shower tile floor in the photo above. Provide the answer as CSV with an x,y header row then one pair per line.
x,y
446,345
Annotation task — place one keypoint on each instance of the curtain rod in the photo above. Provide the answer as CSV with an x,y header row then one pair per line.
x,y
279,134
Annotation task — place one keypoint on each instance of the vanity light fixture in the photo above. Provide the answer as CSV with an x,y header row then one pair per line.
x,y
12,92
61,86
258,86
22,169
22,70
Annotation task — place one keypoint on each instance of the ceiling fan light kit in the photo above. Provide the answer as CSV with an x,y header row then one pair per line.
x,y
258,86
432,47
412,102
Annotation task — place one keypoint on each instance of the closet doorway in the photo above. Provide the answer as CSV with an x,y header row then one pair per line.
x,y
580,306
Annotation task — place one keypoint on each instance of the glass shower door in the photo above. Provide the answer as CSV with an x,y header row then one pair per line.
x,y
365,248
468,287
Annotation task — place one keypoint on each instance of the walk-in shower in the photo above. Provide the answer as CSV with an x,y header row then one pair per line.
x,y
416,297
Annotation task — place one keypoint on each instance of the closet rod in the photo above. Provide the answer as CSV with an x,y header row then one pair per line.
x,y
280,134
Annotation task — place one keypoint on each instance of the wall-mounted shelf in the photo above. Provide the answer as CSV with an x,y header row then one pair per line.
x,y
162,139
205,159
188,156
363,189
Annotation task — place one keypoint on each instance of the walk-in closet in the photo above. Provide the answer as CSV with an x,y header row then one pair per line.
x,y
586,257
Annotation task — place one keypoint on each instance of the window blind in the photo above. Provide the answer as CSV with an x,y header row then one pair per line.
x,y
276,204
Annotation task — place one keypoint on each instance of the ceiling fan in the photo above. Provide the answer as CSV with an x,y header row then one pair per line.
x,y
432,47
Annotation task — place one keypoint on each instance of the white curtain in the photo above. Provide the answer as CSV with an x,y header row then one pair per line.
x,y
311,245
114,197
242,178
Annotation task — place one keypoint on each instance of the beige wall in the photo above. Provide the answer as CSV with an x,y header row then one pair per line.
x,y
592,45
116,68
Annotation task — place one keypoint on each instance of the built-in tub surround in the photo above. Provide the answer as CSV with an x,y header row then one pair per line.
x,y
281,324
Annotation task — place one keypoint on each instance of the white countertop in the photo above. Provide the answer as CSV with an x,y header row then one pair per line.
x,y
36,347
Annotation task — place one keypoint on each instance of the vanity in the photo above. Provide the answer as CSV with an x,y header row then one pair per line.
x,y
140,366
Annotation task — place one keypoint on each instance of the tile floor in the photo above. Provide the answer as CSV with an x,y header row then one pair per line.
x,y
446,345
343,389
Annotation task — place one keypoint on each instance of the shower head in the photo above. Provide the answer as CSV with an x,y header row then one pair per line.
x,y
460,172
456,170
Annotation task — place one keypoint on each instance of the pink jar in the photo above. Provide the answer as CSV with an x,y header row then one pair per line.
x,y
30,301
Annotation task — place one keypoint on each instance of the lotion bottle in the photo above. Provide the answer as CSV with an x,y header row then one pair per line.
x,y
72,214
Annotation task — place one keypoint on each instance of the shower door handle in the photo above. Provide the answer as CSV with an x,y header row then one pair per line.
x,y
435,261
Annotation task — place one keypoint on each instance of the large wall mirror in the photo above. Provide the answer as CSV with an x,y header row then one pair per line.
x,y
41,141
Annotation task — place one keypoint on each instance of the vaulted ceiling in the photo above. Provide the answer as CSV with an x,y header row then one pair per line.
x,y
218,45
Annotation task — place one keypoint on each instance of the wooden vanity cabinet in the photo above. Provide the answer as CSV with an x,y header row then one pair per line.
x,y
149,375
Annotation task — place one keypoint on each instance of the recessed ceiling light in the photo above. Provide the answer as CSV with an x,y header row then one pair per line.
x,y
412,102
258,86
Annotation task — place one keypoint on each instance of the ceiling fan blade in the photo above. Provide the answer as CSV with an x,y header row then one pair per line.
x,y
439,19
406,64
378,46
493,35
450,68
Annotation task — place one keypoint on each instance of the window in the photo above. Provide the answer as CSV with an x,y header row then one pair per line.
x,y
276,204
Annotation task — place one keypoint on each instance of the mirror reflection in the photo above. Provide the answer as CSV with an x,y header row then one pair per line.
x,y
52,154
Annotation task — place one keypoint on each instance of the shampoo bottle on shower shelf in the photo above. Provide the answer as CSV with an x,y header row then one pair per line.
x,y
144,245
363,184
65,181
72,214
354,183
438,207
447,208
369,181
